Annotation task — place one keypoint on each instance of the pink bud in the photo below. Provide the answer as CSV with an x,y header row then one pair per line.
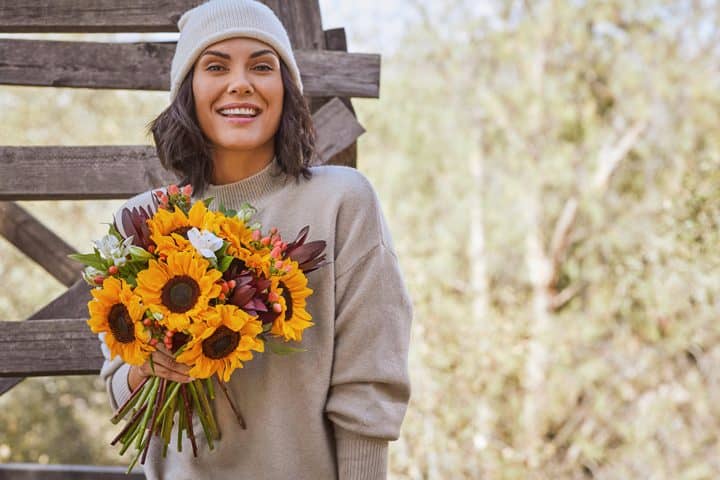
x,y
147,322
276,253
98,279
256,235
187,190
287,268
153,341
273,230
277,308
279,264
265,240
273,297
173,189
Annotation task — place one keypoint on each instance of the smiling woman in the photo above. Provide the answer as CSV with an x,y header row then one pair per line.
x,y
239,129
204,139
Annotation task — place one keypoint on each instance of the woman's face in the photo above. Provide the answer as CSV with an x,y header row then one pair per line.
x,y
235,71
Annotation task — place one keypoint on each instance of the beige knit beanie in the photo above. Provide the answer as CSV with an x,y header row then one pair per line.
x,y
218,20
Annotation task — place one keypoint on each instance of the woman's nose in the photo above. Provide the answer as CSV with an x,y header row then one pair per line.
x,y
240,83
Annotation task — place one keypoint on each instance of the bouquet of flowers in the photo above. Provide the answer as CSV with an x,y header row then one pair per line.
x,y
208,285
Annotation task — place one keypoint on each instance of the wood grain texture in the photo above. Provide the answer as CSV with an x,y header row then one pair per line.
x,y
146,66
61,346
339,126
70,304
38,242
300,17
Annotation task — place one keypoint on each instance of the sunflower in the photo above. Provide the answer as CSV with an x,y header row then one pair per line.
x,y
178,289
239,237
117,311
291,288
222,342
168,229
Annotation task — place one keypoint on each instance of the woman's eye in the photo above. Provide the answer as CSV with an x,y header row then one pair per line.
x,y
269,68
210,68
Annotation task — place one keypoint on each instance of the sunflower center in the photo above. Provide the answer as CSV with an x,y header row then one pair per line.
x,y
182,231
180,293
288,300
121,325
221,343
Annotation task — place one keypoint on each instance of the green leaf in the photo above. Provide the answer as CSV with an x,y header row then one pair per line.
x,y
222,250
282,349
139,253
208,201
90,259
225,263
267,327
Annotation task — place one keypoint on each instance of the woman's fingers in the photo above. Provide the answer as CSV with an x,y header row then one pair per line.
x,y
165,358
165,372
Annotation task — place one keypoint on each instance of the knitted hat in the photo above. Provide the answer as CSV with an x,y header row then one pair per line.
x,y
218,20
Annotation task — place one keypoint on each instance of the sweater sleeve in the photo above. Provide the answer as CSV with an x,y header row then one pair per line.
x,y
115,375
370,385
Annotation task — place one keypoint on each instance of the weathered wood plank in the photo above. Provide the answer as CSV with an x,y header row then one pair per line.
x,y
335,39
55,173
70,304
301,18
38,242
34,471
340,129
61,346
146,66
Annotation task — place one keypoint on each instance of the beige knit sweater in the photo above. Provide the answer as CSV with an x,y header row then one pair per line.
x,y
327,413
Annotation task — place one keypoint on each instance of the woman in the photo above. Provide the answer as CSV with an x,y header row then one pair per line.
x,y
238,129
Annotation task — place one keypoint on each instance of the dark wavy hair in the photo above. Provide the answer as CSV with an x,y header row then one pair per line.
x,y
183,148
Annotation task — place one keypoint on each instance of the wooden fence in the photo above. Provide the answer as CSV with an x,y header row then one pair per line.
x,y
56,339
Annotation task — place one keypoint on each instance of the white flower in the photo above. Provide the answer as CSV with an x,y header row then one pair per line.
x,y
204,242
111,249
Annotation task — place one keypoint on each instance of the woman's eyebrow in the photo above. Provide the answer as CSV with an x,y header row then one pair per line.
x,y
227,57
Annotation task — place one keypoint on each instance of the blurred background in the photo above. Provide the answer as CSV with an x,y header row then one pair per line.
x,y
550,173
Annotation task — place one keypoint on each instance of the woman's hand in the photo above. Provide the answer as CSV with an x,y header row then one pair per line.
x,y
165,367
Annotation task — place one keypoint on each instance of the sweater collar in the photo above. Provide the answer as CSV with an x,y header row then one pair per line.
x,y
250,189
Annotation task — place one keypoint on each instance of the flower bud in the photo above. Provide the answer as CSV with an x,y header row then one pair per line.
x,y
112,270
173,189
231,284
153,341
256,235
276,252
279,264
265,240
147,322
273,297
187,190
277,308
98,279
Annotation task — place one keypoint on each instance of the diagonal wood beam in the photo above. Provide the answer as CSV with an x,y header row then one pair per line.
x,y
38,242
57,173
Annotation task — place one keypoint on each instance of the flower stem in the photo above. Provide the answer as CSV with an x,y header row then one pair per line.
x,y
152,397
207,409
158,400
210,387
129,424
238,415
188,418
129,402
203,420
